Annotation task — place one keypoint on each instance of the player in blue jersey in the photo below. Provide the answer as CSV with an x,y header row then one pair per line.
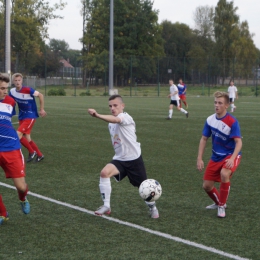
x,y
226,152
182,88
25,98
11,158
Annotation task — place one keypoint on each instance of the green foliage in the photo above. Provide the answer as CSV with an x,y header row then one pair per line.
x,y
56,92
136,32
87,93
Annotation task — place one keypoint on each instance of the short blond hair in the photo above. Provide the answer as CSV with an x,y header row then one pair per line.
x,y
220,94
4,77
16,75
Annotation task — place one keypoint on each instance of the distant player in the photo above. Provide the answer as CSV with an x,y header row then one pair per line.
x,y
226,152
25,98
182,92
232,91
127,160
175,100
11,158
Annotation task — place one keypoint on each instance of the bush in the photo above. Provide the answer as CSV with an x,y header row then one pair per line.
x,y
87,93
57,92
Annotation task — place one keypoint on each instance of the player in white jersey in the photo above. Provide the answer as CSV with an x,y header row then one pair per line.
x,y
127,160
175,100
232,91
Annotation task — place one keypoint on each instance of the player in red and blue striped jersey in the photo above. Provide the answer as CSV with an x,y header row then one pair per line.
x,y
25,98
11,158
182,92
226,152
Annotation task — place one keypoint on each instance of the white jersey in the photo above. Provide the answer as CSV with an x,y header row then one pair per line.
x,y
124,139
173,89
232,90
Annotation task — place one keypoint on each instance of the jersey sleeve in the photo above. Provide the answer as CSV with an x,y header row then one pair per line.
x,y
206,130
235,130
32,91
125,119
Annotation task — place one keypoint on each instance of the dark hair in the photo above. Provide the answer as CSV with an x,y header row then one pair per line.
x,y
4,77
114,97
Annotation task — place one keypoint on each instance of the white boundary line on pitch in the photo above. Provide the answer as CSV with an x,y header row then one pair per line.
x,y
165,235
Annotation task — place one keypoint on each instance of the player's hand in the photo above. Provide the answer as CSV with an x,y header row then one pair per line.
x,y
229,163
169,96
200,165
42,113
92,112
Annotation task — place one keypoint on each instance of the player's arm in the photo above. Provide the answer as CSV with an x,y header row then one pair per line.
x,y
41,99
238,147
107,118
202,145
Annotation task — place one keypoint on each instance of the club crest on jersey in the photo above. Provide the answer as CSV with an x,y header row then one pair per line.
x,y
223,127
8,107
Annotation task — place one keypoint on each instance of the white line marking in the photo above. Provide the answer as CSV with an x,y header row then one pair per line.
x,y
15,123
176,239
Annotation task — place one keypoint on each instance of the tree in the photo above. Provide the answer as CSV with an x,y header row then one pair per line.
x,y
29,29
204,21
136,33
226,22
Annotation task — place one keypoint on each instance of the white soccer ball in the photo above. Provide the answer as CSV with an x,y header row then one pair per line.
x,y
150,190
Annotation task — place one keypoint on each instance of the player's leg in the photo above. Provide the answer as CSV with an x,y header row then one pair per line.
x,y
225,175
23,129
105,188
22,189
170,111
14,168
136,173
3,212
40,156
181,109
212,175
184,101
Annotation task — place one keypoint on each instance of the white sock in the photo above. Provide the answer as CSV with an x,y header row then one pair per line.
x,y
183,111
170,113
105,190
150,204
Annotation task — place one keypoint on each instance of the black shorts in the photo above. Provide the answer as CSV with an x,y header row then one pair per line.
x,y
175,103
134,170
231,100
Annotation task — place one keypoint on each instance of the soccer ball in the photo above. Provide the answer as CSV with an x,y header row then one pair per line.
x,y
150,190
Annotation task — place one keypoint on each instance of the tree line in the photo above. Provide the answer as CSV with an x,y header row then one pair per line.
x,y
144,49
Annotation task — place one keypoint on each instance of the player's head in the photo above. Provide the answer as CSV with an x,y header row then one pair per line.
x,y
4,80
221,103
17,80
180,81
171,82
116,104
231,83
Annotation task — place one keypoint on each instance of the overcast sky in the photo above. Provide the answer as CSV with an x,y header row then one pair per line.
x,y
70,28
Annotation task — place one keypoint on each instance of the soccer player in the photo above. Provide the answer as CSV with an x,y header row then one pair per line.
x,y
25,98
182,92
226,152
127,160
174,100
11,158
232,90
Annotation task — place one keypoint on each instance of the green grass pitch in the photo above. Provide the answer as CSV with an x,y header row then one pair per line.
x,y
77,146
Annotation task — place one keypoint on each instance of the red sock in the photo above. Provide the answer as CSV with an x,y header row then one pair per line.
x,y
26,144
2,207
224,191
35,147
214,195
22,194
185,103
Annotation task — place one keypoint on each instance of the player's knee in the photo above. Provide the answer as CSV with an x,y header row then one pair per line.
x,y
207,187
104,173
